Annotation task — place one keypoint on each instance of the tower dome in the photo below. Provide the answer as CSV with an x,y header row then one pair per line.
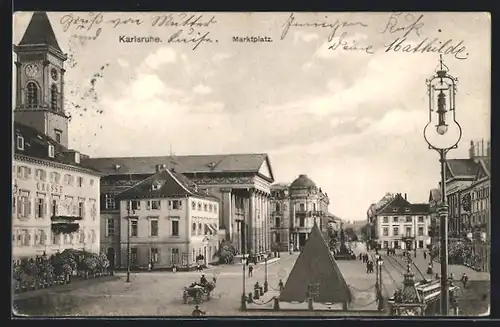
x,y
303,182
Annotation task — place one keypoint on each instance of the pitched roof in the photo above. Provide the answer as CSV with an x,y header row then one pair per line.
x,y
461,167
484,169
244,163
435,195
316,266
39,31
37,144
170,185
399,205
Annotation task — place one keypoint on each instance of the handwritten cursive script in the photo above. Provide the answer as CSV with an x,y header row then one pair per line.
x,y
190,37
407,23
346,45
335,26
457,49
182,20
188,28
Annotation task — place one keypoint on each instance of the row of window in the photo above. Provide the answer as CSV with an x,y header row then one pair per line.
x,y
32,99
398,245
111,204
482,193
395,231
38,237
134,227
407,219
24,172
175,255
23,207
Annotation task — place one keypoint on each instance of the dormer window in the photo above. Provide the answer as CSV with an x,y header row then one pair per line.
x,y
211,165
116,166
395,209
20,142
156,186
52,152
77,157
407,210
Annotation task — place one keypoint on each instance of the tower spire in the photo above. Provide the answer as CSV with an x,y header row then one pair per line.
x,y
40,32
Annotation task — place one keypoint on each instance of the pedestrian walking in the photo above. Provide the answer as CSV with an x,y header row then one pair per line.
x,y
464,280
150,266
250,270
174,268
425,255
197,312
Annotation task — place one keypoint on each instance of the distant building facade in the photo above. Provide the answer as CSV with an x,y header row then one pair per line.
x,y
241,182
371,214
170,222
400,224
280,216
50,183
468,199
295,208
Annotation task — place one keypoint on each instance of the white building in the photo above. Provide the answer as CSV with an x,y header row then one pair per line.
x,y
171,222
402,225
50,185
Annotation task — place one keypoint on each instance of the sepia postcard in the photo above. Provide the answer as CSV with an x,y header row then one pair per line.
x,y
207,164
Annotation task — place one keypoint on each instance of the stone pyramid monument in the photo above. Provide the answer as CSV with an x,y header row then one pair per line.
x,y
316,272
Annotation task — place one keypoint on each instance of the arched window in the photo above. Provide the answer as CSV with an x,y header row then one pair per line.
x,y
31,95
53,97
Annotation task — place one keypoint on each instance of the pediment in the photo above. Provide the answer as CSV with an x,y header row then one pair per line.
x,y
265,170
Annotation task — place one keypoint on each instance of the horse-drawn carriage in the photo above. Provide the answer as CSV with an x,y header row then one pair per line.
x,y
197,292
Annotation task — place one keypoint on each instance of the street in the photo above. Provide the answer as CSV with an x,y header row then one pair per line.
x,y
160,293
473,299
155,293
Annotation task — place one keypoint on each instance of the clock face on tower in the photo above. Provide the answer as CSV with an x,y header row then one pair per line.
x,y
31,70
53,74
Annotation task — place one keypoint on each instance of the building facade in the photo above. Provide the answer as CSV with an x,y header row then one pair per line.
x,y
241,182
50,183
434,201
295,208
169,222
280,219
400,224
476,216
371,215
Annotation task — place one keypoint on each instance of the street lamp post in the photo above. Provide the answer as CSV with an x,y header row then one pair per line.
x,y
266,285
442,135
128,240
380,262
243,304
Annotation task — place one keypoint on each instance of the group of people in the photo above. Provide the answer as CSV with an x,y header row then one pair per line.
x,y
461,253
366,260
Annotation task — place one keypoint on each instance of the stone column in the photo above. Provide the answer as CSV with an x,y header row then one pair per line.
x,y
233,222
250,222
258,224
226,212
19,89
62,89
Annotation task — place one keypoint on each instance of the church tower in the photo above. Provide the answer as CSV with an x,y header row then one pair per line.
x,y
40,80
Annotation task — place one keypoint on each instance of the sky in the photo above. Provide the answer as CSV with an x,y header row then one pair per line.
x,y
352,120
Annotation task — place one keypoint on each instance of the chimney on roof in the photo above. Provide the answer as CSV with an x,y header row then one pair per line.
x,y
472,150
482,148
488,149
405,197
